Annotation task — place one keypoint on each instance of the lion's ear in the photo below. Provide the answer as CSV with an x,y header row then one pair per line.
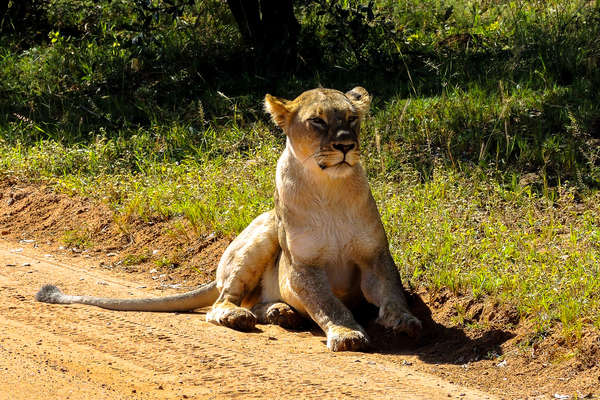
x,y
361,100
279,110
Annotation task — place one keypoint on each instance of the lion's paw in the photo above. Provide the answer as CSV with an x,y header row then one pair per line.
x,y
285,316
409,325
232,316
344,339
405,323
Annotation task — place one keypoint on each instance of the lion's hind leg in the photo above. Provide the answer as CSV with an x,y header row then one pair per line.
x,y
240,271
230,308
232,316
279,313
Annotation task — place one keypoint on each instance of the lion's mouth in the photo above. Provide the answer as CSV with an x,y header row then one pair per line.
x,y
328,160
340,164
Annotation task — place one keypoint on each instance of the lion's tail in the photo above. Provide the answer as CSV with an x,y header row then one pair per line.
x,y
203,296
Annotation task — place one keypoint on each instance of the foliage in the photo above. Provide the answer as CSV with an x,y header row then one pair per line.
x,y
348,34
77,238
507,81
24,16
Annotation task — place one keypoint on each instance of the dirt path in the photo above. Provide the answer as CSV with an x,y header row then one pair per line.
x,y
80,352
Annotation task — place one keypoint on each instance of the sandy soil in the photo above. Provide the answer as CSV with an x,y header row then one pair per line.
x,y
80,352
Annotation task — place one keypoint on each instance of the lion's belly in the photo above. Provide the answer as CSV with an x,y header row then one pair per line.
x,y
344,280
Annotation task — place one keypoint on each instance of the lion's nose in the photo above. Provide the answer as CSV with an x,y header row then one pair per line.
x,y
344,148
343,135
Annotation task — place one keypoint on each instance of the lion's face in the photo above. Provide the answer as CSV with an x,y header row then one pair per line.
x,y
323,127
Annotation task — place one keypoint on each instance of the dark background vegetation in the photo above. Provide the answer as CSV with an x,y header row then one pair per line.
x,y
514,85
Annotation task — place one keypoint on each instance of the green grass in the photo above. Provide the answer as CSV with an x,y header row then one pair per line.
x,y
77,238
482,148
137,258
218,188
472,235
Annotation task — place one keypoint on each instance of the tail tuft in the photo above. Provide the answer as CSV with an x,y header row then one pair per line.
x,y
49,294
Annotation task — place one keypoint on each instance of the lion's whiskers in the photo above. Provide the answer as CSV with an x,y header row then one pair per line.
x,y
310,156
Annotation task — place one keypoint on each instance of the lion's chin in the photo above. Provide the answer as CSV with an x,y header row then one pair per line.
x,y
339,170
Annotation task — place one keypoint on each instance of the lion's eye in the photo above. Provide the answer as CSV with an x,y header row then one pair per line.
x,y
352,119
318,122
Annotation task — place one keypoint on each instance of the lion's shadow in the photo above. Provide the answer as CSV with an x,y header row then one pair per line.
x,y
438,344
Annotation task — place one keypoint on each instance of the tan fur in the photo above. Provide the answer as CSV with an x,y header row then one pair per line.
x,y
322,249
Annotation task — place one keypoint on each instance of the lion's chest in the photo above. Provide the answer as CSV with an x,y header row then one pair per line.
x,y
327,223
336,240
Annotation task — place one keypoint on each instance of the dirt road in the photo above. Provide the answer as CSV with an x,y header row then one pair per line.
x,y
81,352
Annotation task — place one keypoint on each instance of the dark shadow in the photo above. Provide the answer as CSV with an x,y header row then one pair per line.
x,y
256,329
438,344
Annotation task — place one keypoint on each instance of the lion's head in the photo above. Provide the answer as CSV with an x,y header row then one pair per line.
x,y
322,127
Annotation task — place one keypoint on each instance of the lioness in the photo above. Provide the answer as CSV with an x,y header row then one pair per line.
x,y
321,250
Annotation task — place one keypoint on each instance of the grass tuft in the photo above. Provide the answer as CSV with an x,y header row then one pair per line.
x,y
77,238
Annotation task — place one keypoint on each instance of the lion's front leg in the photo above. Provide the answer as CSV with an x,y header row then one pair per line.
x,y
310,286
240,270
381,286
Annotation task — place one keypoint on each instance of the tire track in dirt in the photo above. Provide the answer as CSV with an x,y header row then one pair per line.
x,y
79,352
